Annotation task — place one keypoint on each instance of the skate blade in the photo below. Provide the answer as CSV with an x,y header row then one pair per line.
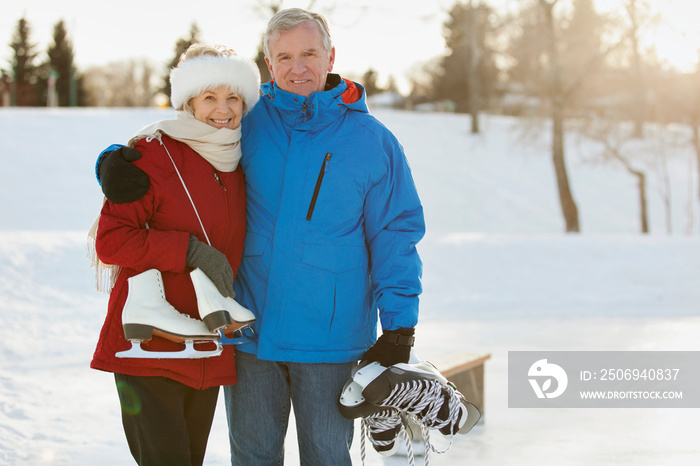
x,y
222,320
237,328
244,334
189,352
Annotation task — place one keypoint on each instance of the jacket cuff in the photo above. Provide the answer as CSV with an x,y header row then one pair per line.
x,y
111,148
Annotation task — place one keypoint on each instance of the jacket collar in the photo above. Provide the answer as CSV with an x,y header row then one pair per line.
x,y
320,108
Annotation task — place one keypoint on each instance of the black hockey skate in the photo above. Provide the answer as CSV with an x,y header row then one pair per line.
x,y
423,393
383,426
417,391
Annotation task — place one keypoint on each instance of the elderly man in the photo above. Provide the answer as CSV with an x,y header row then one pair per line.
x,y
333,218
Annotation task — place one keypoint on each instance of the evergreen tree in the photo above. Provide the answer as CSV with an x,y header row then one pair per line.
x,y
369,81
24,72
581,45
578,47
466,34
181,47
527,50
61,61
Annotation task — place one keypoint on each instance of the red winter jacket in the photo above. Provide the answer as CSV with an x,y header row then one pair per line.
x,y
123,240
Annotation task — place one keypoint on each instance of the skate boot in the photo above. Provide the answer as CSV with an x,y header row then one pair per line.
x,y
147,313
420,391
218,311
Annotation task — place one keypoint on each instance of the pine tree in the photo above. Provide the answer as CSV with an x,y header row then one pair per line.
x,y
61,62
582,43
24,72
527,49
369,81
468,69
181,47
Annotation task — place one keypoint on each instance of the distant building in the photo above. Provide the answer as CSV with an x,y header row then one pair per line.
x,y
387,99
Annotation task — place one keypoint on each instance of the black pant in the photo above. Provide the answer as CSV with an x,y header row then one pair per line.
x,y
166,422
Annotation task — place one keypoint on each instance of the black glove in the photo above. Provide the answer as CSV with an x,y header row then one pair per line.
x,y
392,347
213,263
121,180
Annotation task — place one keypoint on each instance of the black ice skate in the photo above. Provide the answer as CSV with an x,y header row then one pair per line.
x,y
418,391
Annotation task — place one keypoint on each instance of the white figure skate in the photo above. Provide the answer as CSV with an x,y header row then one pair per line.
x,y
147,313
218,311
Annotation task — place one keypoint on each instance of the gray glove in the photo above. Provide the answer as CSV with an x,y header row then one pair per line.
x,y
213,263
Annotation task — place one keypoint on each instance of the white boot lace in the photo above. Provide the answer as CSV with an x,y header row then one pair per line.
x,y
422,400
383,421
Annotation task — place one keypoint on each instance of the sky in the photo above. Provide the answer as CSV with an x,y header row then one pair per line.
x,y
390,36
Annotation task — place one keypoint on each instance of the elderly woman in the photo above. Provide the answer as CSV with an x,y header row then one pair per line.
x,y
191,219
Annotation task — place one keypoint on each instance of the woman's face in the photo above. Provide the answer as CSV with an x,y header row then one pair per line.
x,y
218,107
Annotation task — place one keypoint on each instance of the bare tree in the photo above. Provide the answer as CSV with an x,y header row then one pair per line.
x,y
557,99
613,137
694,119
475,53
565,79
127,83
679,95
638,80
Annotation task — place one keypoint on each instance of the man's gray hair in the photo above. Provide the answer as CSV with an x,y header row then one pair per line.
x,y
286,20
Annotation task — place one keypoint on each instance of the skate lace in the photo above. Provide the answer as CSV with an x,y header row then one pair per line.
x,y
161,289
422,400
381,422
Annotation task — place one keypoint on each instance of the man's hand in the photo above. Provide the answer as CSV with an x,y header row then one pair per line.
x,y
392,347
121,180
213,263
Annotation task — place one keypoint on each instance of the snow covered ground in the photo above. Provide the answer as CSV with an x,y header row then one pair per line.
x,y
499,276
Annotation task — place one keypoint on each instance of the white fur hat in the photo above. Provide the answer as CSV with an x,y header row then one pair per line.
x,y
195,75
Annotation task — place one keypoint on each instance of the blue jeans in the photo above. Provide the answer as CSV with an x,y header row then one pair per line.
x,y
257,409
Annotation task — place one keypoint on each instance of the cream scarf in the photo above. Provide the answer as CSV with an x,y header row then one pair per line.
x,y
220,147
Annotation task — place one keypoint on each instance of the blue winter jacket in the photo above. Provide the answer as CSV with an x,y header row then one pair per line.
x,y
333,218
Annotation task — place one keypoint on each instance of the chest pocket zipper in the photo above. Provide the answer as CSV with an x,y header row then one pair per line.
x,y
324,167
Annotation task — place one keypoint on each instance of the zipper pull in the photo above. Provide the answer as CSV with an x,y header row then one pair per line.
x,y
218,180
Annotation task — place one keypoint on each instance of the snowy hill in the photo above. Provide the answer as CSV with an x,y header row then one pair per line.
x,y
499,275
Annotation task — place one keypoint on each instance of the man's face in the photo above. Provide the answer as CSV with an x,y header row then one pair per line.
x,y
298,61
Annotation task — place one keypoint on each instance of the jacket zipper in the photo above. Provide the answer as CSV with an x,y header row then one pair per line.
x,y
324,165
218,180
